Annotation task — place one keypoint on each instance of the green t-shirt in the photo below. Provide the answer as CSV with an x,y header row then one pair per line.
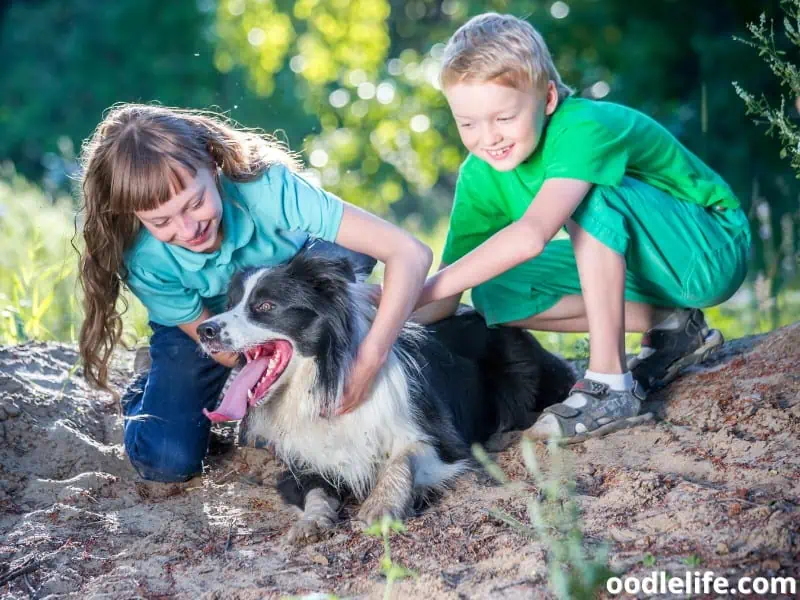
x,y
598,142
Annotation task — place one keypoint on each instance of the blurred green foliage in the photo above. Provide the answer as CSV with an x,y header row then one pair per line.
x,y
348,78
38,291
352,83
36,298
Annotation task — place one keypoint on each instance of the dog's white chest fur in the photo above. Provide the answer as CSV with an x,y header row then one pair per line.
x,y
347,449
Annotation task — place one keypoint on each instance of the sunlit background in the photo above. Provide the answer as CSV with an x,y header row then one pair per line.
x,y
352,85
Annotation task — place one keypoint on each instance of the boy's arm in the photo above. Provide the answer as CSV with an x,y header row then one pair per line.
x,y
511,246
437,310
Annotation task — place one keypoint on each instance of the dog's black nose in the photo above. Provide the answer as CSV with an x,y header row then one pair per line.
x,y
208,330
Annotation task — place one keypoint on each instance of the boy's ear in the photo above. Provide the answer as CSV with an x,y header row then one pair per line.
x,y
551,99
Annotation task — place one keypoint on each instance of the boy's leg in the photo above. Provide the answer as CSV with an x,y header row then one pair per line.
x,y
569,316
544,294
711,253
682,256
606,399
166,434
602,275
687,255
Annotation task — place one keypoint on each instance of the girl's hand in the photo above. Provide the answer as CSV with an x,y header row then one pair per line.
x,y
407,261
359,382
228,359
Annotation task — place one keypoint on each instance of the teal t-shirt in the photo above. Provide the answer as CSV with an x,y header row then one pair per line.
x,y
264,222
598,142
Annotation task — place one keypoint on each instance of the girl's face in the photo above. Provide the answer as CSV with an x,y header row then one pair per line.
x,y
499,124
191,217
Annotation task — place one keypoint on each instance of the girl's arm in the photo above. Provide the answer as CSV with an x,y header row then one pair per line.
x,y
228,359
407,262
521,241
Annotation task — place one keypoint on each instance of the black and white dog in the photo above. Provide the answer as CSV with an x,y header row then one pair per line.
x,y
443,388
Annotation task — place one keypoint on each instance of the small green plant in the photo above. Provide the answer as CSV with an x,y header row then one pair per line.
x,y
37,299
390,569
574,571
580,353
781,255
693,560
581,348
777,119
649,560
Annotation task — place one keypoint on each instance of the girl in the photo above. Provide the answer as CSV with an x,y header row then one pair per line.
x,y
176,201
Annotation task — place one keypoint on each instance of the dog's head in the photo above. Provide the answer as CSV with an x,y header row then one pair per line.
x,y
277,316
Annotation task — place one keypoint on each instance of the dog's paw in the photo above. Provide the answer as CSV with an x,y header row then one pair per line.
x,y
373,512
308,531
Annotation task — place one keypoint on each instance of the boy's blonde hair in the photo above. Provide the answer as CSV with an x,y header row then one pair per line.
x,y
500,49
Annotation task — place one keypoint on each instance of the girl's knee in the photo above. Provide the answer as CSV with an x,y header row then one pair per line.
x,y
167,460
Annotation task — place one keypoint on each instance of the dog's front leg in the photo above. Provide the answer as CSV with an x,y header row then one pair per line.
x,y
319,515
319,501
393,492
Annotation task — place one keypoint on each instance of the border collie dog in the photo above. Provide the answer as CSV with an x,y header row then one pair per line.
x,y
443,388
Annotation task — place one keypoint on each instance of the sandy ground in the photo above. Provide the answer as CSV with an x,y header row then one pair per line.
x,y
715,479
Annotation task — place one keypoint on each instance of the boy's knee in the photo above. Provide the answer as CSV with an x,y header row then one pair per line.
x,y
168,461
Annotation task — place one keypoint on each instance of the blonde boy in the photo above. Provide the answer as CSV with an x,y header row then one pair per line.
x,y
654,233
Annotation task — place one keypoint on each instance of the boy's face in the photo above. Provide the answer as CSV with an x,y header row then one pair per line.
x,y
499,124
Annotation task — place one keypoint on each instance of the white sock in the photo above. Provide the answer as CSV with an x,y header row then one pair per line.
x,y
619,382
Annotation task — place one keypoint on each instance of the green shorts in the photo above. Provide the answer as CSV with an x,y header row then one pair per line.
x,y
678,254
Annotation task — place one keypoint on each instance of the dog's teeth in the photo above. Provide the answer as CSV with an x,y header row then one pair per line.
x,y
250,394
257,353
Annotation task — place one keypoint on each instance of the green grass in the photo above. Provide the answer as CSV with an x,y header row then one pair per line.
x,y
576,569
38,293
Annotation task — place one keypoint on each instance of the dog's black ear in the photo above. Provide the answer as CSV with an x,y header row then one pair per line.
x,y
343,269
310,266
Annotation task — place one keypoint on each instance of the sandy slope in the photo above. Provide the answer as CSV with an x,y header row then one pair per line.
x,y
716,476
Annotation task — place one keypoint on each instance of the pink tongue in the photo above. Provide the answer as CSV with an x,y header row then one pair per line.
x,y
234,404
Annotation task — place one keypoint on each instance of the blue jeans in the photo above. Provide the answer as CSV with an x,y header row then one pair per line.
x,y
166,433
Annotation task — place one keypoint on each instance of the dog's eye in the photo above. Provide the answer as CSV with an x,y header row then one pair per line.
x,y
264,307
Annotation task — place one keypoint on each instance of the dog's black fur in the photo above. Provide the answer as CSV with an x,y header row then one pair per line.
x,y
471,381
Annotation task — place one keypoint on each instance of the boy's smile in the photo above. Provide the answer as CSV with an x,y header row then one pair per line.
x,y
499,124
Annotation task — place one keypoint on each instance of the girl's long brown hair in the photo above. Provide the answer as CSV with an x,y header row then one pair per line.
x,y
133,162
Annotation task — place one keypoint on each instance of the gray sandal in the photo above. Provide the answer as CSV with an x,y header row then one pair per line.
x,y
603,411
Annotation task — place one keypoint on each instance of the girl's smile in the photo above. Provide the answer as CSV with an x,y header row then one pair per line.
x,y
201,236
191,217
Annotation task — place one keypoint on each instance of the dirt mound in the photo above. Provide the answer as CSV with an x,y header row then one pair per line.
x,y
713,483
